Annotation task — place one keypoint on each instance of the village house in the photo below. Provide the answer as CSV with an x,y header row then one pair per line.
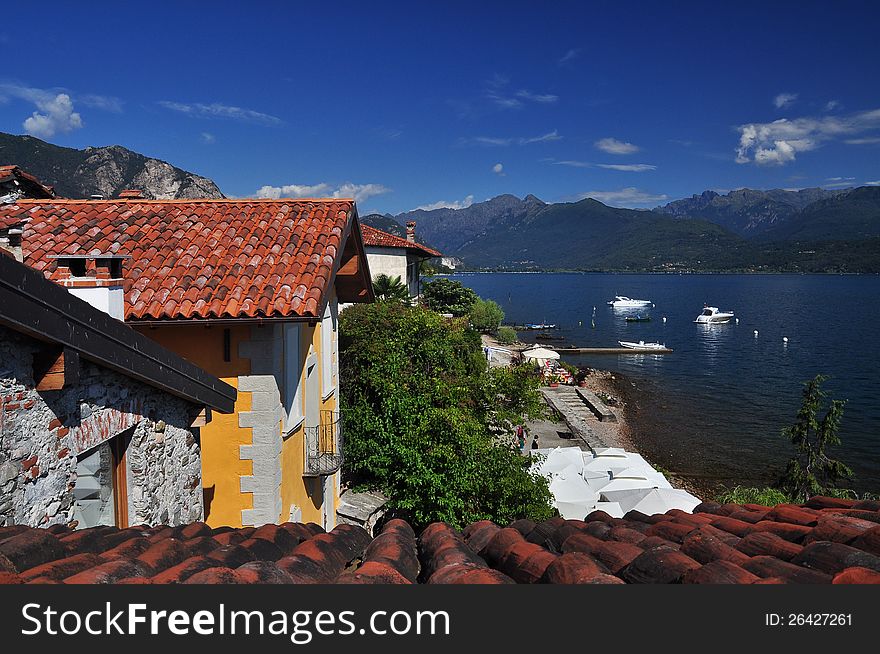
x,y
95,419
397,257
247,290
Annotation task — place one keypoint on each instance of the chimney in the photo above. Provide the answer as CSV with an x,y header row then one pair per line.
x,y
97,279
411,231
131,194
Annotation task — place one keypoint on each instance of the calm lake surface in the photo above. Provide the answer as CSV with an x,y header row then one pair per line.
x,y
713,409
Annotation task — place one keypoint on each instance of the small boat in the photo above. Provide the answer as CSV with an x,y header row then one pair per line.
x,y
638,318
641,345
623,302
712,316
540,325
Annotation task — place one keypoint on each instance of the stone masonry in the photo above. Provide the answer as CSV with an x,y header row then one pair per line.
x,y
42,433
264,349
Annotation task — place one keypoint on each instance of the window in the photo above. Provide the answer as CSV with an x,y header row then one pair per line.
x,y
329,354
293,402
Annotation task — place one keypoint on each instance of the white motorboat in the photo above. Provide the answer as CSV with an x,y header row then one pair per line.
x,y
712,316
623,302
641,345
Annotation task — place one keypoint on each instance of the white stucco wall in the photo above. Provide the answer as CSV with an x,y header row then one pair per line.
x,y
393,262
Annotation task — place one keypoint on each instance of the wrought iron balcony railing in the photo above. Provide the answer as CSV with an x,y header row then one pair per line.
x,y
323,444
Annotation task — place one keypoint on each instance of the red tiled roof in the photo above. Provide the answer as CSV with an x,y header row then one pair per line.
x,y
197,259
378,238
824,541
34,186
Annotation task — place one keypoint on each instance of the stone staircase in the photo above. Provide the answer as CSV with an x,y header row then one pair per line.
x,y
574,411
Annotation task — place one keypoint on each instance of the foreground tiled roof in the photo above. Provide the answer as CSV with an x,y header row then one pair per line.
x,y
378,238
197,258
825,541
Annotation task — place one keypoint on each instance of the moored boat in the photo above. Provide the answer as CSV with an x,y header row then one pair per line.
x,y
623,302
713,316
641,345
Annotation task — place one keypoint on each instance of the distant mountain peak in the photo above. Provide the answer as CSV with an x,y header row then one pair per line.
x,y
104,170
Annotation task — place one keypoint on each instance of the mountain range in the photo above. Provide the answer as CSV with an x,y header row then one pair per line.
x,y
809,230
103,171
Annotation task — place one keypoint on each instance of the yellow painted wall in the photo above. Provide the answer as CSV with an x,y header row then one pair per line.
x,y
220,439
221,463
304,492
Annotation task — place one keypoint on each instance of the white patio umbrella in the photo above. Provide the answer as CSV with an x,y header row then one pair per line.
x,y
611,508
596,479
651,500
560,458
540,354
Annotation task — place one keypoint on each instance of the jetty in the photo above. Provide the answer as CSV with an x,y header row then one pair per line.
x,y
609,350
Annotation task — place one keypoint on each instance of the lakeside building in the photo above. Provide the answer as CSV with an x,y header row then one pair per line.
x,y
97,422
247,290
397,257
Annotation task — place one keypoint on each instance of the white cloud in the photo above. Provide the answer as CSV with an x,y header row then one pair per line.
x,y
629,197
782,140
542,98
872,140
613,146
498,169
360,192
443,204
630,168
516,140
572,54
496,90
572,163
207,138
57,116
104,102
784,99
217,110
831,105
874,183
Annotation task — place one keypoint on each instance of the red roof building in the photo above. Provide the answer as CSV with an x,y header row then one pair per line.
x,y
246,289
397,257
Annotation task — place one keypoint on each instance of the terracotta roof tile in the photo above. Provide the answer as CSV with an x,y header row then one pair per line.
x,y
177,246
378,238
676,547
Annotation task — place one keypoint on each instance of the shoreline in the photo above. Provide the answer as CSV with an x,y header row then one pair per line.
x,y
629,432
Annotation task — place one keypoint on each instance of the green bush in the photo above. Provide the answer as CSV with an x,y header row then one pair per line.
x,y
751,495
486,316
420,408
448,296
506,335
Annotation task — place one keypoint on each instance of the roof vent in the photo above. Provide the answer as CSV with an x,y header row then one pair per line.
x,y
96,196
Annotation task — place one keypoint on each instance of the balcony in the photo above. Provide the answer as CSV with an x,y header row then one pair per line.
x,y
323,445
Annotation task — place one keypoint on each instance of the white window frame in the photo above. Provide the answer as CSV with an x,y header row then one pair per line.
x,y
293,378
328,350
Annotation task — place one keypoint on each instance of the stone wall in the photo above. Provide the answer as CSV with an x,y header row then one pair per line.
x,y
42,433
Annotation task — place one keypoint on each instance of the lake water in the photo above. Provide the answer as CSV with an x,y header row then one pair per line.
x,y
714,408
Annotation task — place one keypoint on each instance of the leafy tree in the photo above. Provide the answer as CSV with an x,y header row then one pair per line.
x,y
486,315
420,411
811,471
506,335
449,296
390,289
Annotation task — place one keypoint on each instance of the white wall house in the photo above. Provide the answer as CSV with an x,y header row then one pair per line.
x,y
396,257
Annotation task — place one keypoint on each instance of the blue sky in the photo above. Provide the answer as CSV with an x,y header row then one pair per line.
x,y
415,104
